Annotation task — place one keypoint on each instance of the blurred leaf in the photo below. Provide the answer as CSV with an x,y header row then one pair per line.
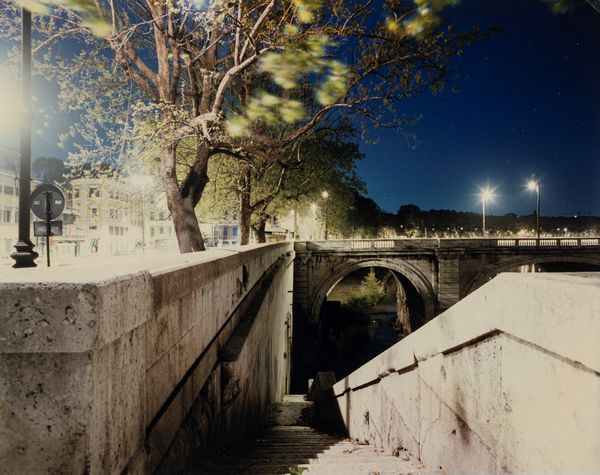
x,y
99,27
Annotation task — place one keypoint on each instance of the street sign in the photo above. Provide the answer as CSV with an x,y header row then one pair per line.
x,y
40,228
47,203
38,201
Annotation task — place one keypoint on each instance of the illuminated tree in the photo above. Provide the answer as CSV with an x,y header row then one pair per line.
x,y
210,77
256,189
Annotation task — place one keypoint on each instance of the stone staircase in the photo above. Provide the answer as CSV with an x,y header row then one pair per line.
x,y
291,446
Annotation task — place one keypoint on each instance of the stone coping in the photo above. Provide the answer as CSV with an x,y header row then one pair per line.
x,y
546,310
99,269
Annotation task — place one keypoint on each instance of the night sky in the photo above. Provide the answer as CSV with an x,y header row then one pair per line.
x,y
529,103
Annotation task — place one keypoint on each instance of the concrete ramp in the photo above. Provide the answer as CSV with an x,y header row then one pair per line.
x,y
505,381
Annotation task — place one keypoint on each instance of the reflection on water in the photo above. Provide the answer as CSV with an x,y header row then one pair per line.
x,y
348,343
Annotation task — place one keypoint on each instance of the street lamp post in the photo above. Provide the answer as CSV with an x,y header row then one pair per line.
x,y
534,185
143,182
313,208
486,194
143,220
24,255
325,195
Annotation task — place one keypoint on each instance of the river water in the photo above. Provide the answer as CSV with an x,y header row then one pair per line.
x,y
349,343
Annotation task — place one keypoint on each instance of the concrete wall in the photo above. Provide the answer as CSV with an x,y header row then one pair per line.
x,y
505,381
99,366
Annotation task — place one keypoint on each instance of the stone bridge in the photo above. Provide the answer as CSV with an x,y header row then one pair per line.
x,y
435,273
442,271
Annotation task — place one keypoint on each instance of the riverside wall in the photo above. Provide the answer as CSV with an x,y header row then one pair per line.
x,y
101,365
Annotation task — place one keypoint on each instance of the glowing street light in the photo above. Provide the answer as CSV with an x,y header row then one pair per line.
x,y
486,195
325,195
534,185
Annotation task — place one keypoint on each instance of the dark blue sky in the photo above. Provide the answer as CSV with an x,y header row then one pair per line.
x,y
529,103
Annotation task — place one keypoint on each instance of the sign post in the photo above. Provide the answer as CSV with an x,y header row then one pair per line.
x,y
47,203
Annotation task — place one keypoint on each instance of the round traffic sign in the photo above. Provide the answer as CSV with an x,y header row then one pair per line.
x,y
38,201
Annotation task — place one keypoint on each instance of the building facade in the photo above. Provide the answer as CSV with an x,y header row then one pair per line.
x,y
9,211
108,217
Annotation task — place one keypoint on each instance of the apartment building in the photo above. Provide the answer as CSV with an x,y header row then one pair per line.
x,y
9,211
108,215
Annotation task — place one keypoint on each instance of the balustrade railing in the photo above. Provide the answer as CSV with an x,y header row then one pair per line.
x,y
471,243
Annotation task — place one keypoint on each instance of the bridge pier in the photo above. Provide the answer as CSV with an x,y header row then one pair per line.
x,y
448,279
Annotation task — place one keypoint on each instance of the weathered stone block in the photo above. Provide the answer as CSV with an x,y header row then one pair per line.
x,y
507,381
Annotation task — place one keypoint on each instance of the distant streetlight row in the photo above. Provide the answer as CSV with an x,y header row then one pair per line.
x,y
486,195
532,185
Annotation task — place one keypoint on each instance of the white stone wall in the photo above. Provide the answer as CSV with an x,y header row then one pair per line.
x,y
99,366
505,381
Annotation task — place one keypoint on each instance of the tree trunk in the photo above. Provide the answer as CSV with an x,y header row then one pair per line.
x,y
185,222
402,311
245,207
259,229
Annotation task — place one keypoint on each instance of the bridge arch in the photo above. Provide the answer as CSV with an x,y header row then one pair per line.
x,y
412,273
490,271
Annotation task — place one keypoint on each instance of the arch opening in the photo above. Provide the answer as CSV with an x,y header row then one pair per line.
x,y
363,314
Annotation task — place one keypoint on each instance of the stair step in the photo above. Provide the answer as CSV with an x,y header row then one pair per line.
x,y
295,398
396,469
290,445
300,460
293,413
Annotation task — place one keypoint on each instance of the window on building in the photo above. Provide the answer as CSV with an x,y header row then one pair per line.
x,y
225,232
94,192
111,230
234,231
151,231
75,192
161,216
9,190
161,230
94,212
6,216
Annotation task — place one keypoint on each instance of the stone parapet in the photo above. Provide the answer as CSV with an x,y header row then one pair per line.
x,y
99,365
505,381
